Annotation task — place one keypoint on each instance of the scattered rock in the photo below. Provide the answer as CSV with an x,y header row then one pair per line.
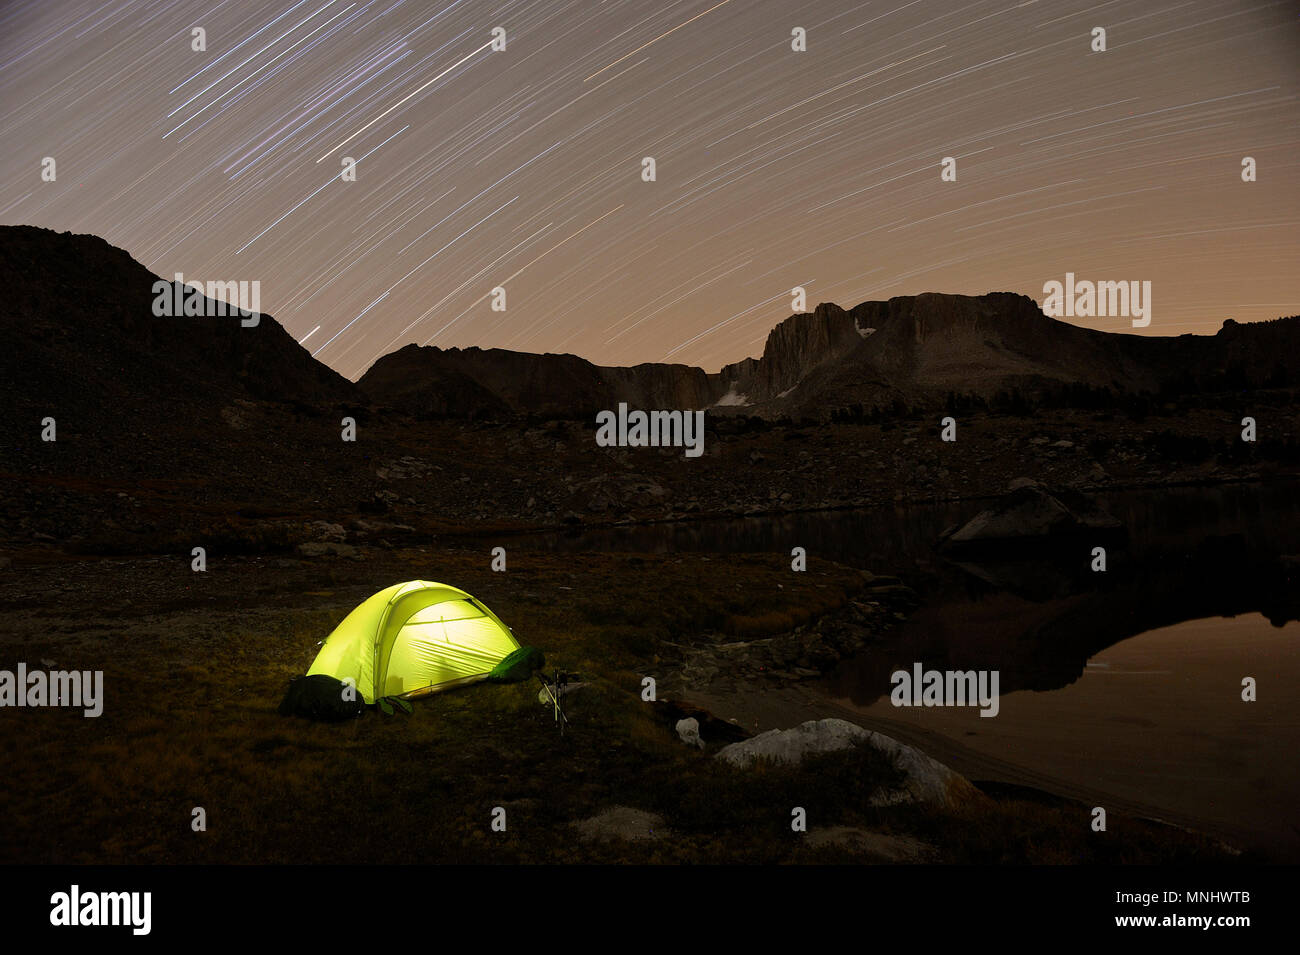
x,y
622,822
688,730
375,527
403,468
883,847
324,549
325,531
670,711
236,417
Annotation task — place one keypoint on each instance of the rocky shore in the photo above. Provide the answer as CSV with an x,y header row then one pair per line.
x,y
270,485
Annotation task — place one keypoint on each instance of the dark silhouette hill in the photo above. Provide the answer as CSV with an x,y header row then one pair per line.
x,y
135,396
79,327
472,382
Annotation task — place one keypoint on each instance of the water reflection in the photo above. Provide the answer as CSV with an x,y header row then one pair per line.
x,y
1143,665
901,539
1158,720
1190,553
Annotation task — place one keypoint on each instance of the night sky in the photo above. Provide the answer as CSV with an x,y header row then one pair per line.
x,y
774,168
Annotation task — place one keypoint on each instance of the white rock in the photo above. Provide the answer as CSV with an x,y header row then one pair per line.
x,y
792,745
926,780
689,731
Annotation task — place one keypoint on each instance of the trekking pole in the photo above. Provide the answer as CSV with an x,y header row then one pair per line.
x,y
559,713
556,697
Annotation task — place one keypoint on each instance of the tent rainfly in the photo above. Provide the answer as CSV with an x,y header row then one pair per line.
x,y
412,639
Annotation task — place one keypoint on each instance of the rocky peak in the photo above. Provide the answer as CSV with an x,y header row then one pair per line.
x,y
794,348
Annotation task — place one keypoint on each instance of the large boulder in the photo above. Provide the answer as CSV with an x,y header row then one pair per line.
x,y
925,780
792,745
1033,514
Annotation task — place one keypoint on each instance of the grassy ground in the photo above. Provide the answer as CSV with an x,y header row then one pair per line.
x,y
195,666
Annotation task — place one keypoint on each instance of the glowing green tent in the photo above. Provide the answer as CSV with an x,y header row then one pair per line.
x,y
414,638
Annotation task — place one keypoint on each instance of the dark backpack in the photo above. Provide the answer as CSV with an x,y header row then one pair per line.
x,y
321,697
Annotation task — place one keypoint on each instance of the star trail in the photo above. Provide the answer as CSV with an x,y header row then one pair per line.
x,y
504,144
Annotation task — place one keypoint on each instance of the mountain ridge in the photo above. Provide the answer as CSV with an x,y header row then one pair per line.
x,y
917,350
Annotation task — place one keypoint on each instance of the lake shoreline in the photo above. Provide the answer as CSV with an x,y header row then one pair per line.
x,y
788,706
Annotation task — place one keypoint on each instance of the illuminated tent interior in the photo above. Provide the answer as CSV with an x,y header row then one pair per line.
x,y
414,638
